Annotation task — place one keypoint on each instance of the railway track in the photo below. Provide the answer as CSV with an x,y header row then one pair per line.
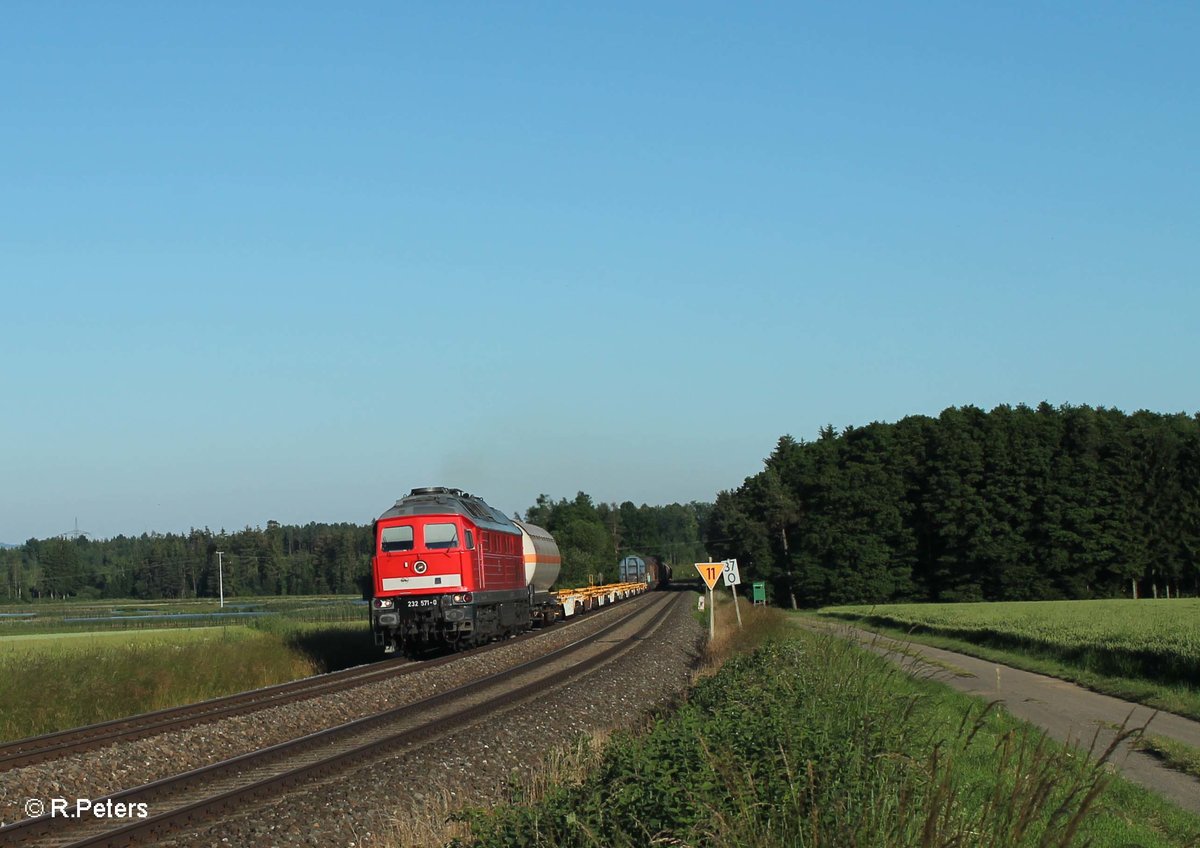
x,y
187,799
35,749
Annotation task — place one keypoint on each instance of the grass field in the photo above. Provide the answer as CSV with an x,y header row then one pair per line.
x,y
51,679
126,615
89,638
1145,650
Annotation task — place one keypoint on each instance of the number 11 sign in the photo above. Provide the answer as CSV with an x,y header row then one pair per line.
x,y
711,572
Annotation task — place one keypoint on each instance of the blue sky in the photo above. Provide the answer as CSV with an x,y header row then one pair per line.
x,y
280,261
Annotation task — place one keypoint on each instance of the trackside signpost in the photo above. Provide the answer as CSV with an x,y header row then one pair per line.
x,y
711,572
732,579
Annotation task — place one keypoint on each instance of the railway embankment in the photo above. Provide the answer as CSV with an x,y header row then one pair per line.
x,y
814,740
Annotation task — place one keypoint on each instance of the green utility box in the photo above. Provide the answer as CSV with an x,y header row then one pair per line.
x,y
758,592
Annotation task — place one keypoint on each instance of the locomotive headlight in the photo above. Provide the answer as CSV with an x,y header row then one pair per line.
x,y
461,598
384,603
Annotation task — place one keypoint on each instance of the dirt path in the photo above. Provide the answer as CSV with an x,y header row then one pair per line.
x,y
1069,713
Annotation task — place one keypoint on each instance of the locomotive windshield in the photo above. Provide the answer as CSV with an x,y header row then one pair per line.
x,y
397,539
440,536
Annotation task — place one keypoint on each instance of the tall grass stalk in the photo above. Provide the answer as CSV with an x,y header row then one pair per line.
x,y
759,624
432,824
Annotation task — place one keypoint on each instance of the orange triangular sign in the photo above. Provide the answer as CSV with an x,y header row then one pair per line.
x,y
710,571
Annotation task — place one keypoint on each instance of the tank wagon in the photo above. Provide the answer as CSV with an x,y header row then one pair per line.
x,y
450,570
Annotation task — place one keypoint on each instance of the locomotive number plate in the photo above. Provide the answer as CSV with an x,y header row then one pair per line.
x,y
419,603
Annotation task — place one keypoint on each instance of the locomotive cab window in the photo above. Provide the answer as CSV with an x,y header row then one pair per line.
x,y
440,536
396,539
470,541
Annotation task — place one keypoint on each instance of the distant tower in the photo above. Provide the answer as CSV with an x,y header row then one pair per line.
x,y
74,534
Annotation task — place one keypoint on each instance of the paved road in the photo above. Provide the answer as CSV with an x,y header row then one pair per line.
x,y
1067,712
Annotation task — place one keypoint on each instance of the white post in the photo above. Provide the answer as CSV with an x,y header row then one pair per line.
x,y
708,571
712,611
221,578
733,589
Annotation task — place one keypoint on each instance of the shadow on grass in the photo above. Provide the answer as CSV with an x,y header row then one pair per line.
x,y
335,648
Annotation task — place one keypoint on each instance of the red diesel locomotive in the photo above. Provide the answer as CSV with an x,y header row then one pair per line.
x,y
450,570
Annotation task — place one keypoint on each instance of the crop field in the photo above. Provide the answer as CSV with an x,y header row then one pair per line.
x,y
1154,640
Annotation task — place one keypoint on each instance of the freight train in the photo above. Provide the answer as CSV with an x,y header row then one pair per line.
x,y
652,571
448,570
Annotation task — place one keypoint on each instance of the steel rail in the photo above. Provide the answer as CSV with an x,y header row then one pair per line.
x,y
342,735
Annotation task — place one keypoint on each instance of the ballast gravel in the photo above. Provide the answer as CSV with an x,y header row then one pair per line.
x,y
375,804
382,803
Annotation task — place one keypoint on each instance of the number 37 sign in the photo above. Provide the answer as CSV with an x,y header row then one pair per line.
x,y
730,569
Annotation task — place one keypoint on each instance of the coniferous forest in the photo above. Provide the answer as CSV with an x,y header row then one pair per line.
x,y
280,560
1012,504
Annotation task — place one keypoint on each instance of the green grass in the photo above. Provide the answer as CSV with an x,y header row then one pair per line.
x,y
86,639
1143,651
814,742
51,683
128,615
1174,754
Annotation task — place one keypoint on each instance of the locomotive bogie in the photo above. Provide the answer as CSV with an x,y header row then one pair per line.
x,y
429,620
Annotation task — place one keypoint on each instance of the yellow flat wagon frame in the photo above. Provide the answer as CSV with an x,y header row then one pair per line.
x,y
575,601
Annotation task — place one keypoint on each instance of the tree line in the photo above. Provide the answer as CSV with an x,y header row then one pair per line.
x,y
593,538
1011,504
280,560
320,558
